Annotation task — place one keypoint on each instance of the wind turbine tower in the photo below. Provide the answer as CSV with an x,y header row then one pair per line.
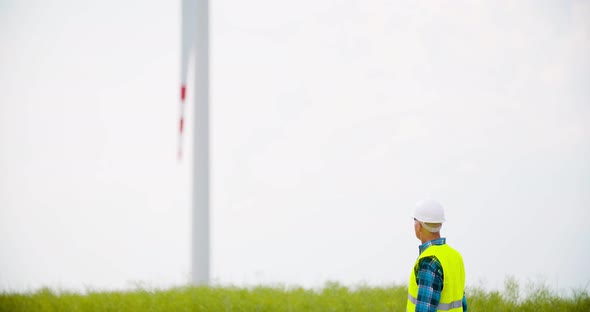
x,y
195,46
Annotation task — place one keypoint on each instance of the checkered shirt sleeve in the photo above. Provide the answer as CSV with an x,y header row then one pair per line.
x,y
429,277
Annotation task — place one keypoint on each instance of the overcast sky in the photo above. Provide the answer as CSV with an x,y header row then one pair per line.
x,y
330,119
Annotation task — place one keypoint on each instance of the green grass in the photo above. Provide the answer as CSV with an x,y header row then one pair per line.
x,y
333,297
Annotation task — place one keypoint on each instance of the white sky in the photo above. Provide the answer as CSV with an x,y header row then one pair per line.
x,y
330,119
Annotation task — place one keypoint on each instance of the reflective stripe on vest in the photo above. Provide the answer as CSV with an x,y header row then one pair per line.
x,y
441,306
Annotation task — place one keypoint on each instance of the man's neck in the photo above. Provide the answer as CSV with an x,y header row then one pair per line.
x,y
426,237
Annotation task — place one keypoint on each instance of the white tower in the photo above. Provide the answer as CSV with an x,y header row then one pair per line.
x,y
195,42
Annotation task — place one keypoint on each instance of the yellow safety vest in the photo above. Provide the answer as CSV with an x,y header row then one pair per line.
x,y
451,297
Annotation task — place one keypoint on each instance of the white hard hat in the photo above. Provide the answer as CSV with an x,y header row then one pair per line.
x,y
429,211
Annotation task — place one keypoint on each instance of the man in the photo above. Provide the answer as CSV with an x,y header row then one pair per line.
x,y
437,282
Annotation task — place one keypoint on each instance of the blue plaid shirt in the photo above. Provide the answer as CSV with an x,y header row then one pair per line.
x,y
429,277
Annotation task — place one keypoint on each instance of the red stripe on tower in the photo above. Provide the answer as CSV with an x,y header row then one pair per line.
x,y
181,121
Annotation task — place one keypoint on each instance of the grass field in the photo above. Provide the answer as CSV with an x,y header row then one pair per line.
x,y
333,297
